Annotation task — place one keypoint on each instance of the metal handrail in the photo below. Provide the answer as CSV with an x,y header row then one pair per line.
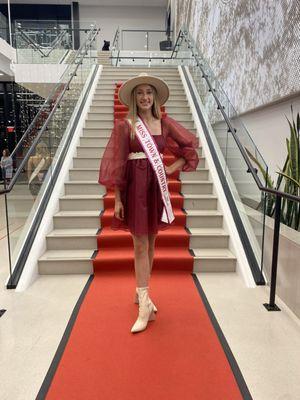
x,y
47,102
116,37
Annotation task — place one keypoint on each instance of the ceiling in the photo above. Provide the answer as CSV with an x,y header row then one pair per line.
x,y
139,3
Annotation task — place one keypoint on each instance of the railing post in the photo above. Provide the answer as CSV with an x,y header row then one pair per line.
x,y
271,306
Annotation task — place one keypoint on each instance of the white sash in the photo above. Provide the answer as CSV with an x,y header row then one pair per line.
x,y
153,156
37,170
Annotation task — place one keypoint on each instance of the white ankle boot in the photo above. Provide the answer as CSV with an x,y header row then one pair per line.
x,y
136,300
146,310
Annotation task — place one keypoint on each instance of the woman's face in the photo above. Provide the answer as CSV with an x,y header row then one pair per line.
x,y
144,97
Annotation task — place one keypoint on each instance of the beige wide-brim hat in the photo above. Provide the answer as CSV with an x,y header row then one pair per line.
x,y
144,79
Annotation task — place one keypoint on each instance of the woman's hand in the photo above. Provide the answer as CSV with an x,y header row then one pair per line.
x,y
119,210
169,169
178,164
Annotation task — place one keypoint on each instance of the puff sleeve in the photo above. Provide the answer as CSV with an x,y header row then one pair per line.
x,y
113,163
182,143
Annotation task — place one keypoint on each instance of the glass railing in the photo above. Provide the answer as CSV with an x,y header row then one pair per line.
x,y
47,42
40,149
142,39
230,140
135,46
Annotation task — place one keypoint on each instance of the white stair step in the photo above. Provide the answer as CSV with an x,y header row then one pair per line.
x,y
70,239
86,151
196,187
108,81
200,202
86,187
84,162
76,219
100,116
198,175
93,141
97,132
204,219
102,124
79,174
109,102
81,202
214,260
202,238
66,262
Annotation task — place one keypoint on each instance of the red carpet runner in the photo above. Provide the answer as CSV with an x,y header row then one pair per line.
x,y
178,356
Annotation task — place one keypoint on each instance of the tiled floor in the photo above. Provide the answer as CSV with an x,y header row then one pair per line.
x,y
265,345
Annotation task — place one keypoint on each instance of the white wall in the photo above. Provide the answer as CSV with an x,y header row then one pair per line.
x,y
109,18
269,129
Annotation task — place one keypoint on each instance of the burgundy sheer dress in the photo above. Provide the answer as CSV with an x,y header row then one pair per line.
x,y
140,193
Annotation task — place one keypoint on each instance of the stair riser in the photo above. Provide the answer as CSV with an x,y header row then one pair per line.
x,y
108,83
81,175
200,204
71,243
107,124
214,265
176,91
133,71
58,267
99,124
103,103
169,109
119,73
86,162
198,188
209,221
93,141
181,117
80,204
108,97
99,132
208,242
76,222
194,176
100,116
93,152
173,85
90,188
98,151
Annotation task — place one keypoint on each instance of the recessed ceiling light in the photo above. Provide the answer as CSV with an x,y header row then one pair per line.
x,y
1,73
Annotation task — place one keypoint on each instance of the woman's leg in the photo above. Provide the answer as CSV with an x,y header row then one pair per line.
x,y
142,273
141,260
151,239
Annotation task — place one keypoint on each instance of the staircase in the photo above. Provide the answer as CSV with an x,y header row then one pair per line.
x,y
71,245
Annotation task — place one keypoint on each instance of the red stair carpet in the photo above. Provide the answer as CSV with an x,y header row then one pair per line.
x,y
178,356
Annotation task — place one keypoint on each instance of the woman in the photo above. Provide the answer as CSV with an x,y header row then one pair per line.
x,y
7,166
131,164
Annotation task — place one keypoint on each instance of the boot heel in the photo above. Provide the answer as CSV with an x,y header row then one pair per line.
x,y
152,316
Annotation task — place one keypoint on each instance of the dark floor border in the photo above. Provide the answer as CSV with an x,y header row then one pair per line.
x,y
229,355
62,345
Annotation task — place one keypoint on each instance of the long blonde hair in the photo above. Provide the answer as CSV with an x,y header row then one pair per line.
x,y
132,115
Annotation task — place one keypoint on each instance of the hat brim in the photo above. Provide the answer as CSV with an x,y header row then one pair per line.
x,y
160,85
